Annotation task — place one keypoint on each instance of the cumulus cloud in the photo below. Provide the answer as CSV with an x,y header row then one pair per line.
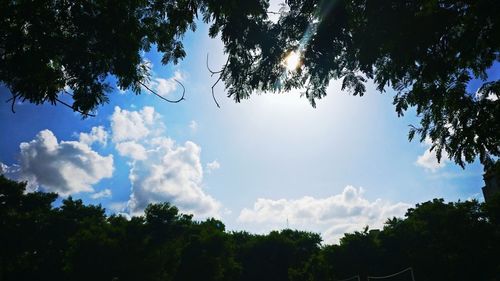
x,y
97,134
429,161
101,194
164,86
171,173
64,167
161,170
212,166
132,150
332,216
132,125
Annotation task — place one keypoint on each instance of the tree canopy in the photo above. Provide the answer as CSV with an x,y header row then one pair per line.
x,y
41,240
427,51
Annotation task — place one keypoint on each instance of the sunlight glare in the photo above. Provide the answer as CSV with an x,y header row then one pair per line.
x,y
292,61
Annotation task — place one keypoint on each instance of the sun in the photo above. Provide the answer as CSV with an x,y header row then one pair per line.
x,y
292,61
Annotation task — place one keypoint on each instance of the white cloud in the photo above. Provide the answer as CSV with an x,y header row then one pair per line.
x,y
101,194
492,96
171,173
121,91
332,216
64,167
147,63
429,161
10,171
97,134
163,86
3,168
131,125
118,207
212,166
161,170
132,150
193,126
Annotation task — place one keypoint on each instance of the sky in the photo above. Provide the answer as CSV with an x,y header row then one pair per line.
x,y
267,163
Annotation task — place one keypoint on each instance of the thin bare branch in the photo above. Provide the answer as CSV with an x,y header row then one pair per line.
x,y
13,103
163,98
213,72
213,94
13,100
220,72
74,109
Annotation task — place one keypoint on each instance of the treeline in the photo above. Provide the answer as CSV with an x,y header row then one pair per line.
x,y
440,241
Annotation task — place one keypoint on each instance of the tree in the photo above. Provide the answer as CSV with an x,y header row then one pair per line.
x,y
359,253
54,48
427,51
24,220
166,230
208,254
74,241
444,241
280,255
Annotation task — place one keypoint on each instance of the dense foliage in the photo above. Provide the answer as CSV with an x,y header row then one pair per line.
x,y
440,241
428,51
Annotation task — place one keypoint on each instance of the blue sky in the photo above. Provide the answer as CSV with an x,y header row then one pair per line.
x,y
255,165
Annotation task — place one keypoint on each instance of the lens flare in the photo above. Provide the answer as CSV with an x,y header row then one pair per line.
x,y
292,61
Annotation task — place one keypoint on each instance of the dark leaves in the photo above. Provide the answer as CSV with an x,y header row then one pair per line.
x,y
354,83
426,51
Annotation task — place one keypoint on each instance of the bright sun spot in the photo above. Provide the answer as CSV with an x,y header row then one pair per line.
x,y
292,61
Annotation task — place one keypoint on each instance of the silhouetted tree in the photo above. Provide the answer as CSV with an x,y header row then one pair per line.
x,y
207,254
25,219
74,241
357,254
444,241
276,256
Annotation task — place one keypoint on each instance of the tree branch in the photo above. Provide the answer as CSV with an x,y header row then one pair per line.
x,y
13,100
214,72
220,72
163,98
74,109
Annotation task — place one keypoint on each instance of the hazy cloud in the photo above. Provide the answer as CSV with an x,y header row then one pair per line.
x,y
193,126
212,166
12,172
331,216
101,194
